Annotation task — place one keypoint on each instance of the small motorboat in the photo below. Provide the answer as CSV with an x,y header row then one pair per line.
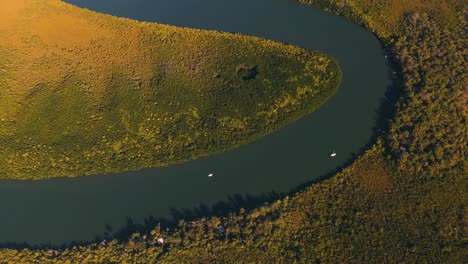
x,y
210,175
333,154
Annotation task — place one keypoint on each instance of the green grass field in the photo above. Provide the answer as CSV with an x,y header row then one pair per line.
x,y
85,93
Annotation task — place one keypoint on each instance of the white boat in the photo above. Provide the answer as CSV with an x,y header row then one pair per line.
x,y
210,175
333,154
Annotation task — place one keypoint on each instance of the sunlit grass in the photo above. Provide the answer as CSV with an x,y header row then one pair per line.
x,y
86,93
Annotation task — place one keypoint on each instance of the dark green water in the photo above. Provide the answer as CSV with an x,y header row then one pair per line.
x,y
64,210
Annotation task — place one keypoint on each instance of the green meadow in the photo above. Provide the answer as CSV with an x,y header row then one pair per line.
x,y
128,95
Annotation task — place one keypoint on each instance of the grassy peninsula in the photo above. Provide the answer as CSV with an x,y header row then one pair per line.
x,y
85,93
392,205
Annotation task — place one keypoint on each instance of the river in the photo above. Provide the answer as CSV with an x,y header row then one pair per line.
x,y
63,210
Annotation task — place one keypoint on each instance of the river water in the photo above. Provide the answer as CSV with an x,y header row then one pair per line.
x,y
64,210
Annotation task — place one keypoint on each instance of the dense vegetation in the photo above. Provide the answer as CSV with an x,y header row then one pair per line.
x,y
403,201
86,93
428,133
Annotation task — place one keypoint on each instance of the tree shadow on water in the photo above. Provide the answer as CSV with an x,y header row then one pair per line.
x,y
233,204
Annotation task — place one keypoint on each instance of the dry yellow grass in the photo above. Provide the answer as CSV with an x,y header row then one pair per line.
x,y
53,31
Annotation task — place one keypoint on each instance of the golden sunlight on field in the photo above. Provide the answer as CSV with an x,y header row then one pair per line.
x,y
67,31
9,12
35,36
78,87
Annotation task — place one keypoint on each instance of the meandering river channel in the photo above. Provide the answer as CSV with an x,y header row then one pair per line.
x,y
64,210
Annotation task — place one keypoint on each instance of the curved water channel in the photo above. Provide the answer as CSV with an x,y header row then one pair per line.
x,y
64,210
